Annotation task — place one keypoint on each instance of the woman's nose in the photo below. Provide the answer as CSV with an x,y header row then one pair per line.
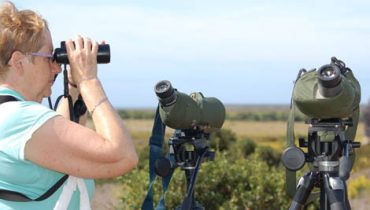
x,y
56,68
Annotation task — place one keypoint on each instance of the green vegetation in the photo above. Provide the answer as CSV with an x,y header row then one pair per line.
x,y
231,181
137,114
243,113
248,113
358,186
260,113
222,139
246,173
362,158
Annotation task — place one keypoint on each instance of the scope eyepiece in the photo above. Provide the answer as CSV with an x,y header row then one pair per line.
x,y
329,79
165,92
61,56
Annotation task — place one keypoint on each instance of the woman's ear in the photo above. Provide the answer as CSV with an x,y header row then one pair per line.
x,y
16,60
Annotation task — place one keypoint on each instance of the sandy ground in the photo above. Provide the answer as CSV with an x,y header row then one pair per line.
x,y
105,199
363,202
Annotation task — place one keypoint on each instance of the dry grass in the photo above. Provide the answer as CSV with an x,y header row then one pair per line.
x,y
264,133
240,128
261,129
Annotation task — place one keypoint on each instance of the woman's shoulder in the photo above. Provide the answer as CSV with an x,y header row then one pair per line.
x,y
22,116
20,119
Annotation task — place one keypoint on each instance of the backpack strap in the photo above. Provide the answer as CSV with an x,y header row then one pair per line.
x,y
16,196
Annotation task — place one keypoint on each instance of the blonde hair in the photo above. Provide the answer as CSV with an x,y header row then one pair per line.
x,y
20,30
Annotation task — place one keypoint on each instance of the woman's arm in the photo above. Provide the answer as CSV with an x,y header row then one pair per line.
x,y
70,148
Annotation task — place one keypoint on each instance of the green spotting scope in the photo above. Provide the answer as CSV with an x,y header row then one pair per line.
x,y
182,111
332,91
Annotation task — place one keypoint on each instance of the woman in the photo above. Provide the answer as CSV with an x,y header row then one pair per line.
x,y
39,146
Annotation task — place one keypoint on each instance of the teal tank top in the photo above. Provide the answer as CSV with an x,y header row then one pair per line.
x,y
18,121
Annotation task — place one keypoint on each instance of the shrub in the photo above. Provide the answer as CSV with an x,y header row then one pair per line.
x,y
222,139
269,155
225,183
362,158
358,186
248,146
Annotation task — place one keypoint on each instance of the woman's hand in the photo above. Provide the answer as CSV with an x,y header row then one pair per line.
x,y
82,54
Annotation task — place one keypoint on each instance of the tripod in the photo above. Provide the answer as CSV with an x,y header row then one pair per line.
x,y
328,151
188,148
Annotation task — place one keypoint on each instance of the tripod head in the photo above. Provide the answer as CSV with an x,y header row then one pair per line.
x,y
186,146
329,153
187,150
327,142
327,148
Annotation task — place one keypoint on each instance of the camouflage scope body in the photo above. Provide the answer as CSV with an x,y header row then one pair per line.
x,y
340,106
193,109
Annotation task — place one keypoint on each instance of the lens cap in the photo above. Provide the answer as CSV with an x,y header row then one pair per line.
x,y
162,166
293,158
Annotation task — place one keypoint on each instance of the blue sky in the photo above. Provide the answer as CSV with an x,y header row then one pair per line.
x,y
240,51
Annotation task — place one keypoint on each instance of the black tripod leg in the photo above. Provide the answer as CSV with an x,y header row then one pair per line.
x,y
304,188
336,192
189,201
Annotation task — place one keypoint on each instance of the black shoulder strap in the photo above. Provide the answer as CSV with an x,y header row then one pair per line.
x,y
15,196
54,188
7,98
19,197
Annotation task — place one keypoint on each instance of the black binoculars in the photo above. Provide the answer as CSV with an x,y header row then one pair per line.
x,y
60,54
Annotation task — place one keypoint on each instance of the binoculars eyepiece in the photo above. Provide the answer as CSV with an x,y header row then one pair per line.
x,y
60,54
